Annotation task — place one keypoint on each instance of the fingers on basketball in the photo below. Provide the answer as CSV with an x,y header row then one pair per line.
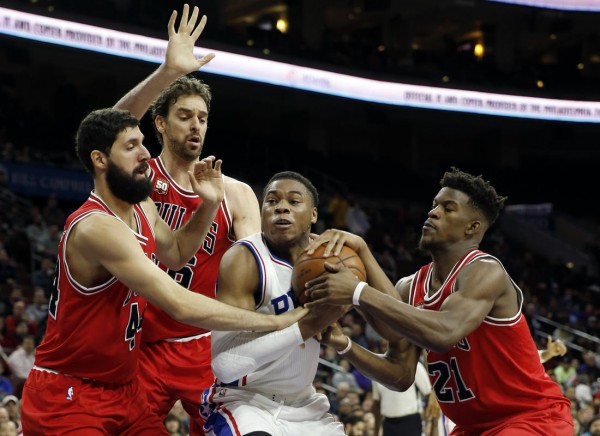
x,y
308,268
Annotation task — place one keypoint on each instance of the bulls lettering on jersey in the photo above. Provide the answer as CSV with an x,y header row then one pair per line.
x,y
176,205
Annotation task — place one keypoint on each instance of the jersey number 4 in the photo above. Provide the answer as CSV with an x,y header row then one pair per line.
x,y
445,392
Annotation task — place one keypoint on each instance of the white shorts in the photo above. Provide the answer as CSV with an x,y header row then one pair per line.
x,y
235,412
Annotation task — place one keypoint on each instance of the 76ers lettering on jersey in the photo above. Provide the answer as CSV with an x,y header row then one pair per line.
x,y
495,371
76,314
175,206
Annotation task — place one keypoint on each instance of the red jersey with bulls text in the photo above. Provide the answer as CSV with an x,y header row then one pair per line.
x,y
94,332
492,374
176,205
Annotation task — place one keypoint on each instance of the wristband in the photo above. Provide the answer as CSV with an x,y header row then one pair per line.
x,y
345,350
357,291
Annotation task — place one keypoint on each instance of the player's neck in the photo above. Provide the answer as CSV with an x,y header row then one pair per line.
x,y
444,260
177,168
287,251
120,208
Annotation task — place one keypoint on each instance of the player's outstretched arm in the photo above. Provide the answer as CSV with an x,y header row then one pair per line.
x,y
179,60
103,243
481,284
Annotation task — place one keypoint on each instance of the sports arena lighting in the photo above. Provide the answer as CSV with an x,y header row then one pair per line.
x,y
565,5
116,43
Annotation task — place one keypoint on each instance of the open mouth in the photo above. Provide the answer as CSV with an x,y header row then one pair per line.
x,y
142,169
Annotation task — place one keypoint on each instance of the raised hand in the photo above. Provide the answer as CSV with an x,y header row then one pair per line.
x,y
557,348
179,57
207,180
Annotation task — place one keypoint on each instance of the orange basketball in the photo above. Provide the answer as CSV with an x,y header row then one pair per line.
x,y
309,267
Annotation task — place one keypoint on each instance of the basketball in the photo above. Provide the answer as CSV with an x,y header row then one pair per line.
x,y
309,267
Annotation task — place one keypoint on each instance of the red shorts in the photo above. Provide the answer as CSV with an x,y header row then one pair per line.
x,y
171,371
56,404
555,421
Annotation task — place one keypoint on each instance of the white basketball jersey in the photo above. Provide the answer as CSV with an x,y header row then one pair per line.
x,y
295,369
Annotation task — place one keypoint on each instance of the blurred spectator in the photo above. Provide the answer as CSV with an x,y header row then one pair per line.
x,y
585,416
7,267
44,275
357,219
344,375
583,390
355,426
37,311
12,404
6,387
36,228
14,334
338,206
8,428
565,373
48,242
178,411
53,213
21,362
594,427
399,413
173,425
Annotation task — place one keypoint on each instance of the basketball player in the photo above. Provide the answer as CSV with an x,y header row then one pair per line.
x,y
175,362
263,382
465,309
85,375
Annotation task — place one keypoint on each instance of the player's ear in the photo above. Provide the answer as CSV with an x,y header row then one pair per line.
x,y
473,227
159,122
314,217
99,159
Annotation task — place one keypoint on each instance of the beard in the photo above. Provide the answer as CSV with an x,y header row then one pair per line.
x,y
125,187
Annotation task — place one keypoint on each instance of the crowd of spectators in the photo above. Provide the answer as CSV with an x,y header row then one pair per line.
x,y
28,242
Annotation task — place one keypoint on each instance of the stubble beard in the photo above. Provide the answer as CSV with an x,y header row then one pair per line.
x,y
180,150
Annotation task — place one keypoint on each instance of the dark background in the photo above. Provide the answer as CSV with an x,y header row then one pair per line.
x,y
370,150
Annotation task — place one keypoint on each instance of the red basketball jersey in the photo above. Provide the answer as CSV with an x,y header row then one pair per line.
x,y
492,374
94,332
176,205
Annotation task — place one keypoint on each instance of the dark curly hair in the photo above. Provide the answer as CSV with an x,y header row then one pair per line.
x,y
98,131
292,175
483,196
184,85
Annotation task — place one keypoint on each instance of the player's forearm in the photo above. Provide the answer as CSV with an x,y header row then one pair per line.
x,y
190,237
138,100
201,311
395,375
236,354
427,329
